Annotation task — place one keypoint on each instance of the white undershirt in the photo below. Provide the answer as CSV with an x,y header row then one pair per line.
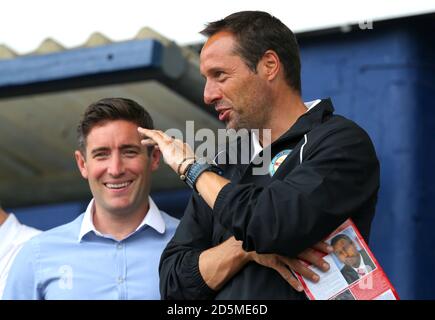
x,y
13,235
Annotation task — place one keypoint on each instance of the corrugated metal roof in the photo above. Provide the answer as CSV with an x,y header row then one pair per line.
x,y
50,45
6,52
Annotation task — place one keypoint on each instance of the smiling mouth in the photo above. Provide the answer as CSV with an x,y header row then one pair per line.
x,y
117,186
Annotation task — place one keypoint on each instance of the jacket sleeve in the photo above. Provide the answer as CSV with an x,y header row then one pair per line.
x,y
179,269
21,283
338,177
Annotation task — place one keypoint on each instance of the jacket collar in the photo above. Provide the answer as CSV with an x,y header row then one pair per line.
x,y
318,112
314,116
308,120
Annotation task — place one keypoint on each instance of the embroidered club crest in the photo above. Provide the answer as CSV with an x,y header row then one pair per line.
x,y
277,160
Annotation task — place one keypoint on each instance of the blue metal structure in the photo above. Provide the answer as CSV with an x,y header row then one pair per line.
x,y
115,63
80,63
384,79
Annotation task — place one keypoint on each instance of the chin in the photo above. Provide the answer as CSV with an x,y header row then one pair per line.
x,y
119,205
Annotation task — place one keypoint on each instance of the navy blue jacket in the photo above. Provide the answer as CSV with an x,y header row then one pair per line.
x,y
298,206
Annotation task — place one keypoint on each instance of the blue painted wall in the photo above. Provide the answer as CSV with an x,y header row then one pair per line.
x,y
45,217
384,80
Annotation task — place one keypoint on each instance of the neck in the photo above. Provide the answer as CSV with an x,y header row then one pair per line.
x,y
287,108
3,216
119,225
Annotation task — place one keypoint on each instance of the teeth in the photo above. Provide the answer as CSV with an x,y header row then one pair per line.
x,y
117,185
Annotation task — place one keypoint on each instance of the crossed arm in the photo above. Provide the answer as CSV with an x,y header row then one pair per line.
x,y
219,264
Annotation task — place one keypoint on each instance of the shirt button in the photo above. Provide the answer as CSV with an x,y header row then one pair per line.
x,y
119,246
120,280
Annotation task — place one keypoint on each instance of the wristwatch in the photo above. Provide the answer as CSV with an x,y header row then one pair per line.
x,y
195,169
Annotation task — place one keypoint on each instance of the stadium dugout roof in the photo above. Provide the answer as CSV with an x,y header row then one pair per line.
x,y
44,93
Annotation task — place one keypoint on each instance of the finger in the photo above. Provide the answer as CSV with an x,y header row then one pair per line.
x,y
160,138
153,134
148,142
288,276
162,134
323,247
144,131
314,257
302,269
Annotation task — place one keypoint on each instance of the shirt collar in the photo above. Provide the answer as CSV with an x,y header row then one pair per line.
x,y
153,218
318,113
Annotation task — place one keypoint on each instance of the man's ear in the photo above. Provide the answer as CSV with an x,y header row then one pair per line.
x,y
155,159
270,65
81,163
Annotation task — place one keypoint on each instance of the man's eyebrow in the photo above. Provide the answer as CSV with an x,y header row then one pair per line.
x,y
122,147
100,149
130,146
215,69
212,70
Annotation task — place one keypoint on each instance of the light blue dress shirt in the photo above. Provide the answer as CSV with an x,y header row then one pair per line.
x,y
75,261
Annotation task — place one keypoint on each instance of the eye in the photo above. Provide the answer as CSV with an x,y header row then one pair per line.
x,y
130,152
220,75
100,155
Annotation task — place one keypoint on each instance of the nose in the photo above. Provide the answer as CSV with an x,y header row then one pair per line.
x,y
116,166
212,93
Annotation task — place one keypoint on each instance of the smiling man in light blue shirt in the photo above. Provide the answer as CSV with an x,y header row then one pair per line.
x,y
112,250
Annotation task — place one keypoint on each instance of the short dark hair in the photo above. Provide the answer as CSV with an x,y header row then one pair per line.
x,y
109,109
339,237
256,32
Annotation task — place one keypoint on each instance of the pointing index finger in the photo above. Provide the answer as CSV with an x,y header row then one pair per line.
x,y
149,133
143,131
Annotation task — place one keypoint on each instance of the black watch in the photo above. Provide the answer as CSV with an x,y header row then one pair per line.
x,y
194,171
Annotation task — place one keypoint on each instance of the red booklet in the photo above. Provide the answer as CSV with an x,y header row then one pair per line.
x,y
354,272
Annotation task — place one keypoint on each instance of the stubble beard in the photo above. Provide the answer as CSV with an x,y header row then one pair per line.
x,y
255,115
